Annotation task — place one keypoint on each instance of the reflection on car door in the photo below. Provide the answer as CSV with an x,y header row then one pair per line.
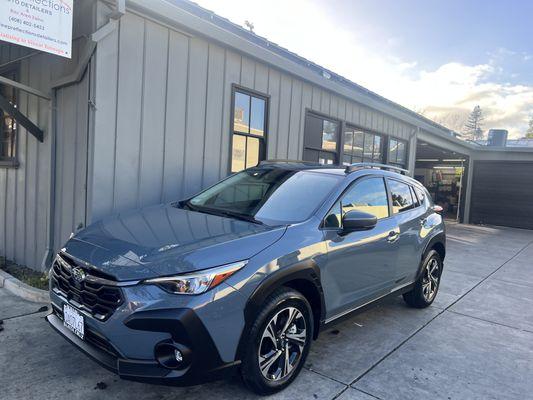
x,y
360,265
409,216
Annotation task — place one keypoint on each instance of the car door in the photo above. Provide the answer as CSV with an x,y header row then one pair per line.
x,y
360,265
409,215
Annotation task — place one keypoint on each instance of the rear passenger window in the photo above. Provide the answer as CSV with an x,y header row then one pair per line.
x,y
402,200
421,195
369,196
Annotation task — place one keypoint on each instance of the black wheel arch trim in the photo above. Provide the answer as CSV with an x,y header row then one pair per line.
x,y
307,271
440,239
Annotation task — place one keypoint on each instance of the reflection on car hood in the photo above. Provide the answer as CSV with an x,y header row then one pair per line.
x,y
165,240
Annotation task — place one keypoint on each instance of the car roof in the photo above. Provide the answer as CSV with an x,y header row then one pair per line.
x,y
368,168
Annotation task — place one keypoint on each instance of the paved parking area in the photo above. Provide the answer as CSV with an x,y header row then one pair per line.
x,y
474,342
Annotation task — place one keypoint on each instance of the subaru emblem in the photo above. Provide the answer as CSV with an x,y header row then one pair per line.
x,y
78,274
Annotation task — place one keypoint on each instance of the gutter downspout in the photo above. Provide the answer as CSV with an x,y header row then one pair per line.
x,y
75,77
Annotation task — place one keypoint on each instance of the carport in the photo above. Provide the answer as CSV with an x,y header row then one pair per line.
x,y
442,172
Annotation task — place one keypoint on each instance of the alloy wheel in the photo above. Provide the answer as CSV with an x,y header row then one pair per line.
x,y
430,280
282,344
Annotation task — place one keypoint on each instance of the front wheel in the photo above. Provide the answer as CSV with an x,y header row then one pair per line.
x,y
278,342
427,285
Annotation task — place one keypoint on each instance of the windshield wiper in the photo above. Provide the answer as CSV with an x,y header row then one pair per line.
x,y
223,213
236,215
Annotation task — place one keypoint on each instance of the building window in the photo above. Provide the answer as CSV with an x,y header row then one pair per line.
x,y
321,139
361,146
397,152
249,129
8,125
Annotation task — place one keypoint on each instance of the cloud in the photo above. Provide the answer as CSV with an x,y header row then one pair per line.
x,y
304,28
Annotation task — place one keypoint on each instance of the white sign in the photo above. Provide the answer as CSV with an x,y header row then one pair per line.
x,y
44,25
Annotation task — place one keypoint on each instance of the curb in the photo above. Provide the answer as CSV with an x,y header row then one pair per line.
x,y
18,288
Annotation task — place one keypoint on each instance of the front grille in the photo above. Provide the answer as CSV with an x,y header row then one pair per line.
x,y
97,299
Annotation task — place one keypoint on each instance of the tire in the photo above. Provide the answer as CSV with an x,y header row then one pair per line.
x,y
427,285
270,340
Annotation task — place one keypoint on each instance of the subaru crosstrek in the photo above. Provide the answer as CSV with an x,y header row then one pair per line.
x,y
244,275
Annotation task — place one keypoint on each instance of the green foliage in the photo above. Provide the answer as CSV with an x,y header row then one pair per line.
x,y
27,275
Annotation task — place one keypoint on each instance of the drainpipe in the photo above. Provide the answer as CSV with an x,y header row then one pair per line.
x,y
75,77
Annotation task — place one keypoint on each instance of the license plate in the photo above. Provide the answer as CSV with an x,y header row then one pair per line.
x,y
73,320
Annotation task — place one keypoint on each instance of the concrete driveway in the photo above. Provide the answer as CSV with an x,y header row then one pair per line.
x,y
475,342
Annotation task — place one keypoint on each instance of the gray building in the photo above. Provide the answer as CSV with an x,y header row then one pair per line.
x,y
163,98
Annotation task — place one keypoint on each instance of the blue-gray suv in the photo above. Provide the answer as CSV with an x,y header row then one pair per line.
x,y
244,275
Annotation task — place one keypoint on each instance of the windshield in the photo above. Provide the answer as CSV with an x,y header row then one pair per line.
x,y
272,196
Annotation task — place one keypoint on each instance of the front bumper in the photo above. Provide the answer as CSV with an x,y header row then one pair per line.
x,y
184,327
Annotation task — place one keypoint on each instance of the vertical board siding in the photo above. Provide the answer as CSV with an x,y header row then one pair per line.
x,y
284,113
20,195
104,141
175,111
32,164
214,110
294,121
153,114
24,191
196,112
274,82
129,111
232,75
163,117
71,160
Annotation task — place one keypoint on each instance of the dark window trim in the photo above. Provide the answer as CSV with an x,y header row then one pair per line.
x,y
13,161
383,137
339,122
411,191
406,142
251,92
349,187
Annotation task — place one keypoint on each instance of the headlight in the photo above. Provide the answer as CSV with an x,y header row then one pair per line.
x,y
198,282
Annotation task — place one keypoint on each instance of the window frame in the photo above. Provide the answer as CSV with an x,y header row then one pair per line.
x,y
325,117
346,190
387,152
13,73
263,140
382,138
414,196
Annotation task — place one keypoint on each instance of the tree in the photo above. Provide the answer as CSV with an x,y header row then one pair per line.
x,y
529,133
473,127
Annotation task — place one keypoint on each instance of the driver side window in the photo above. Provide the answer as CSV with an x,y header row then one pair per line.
x,y
368,195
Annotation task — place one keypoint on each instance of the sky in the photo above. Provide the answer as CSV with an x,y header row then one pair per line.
x,y
440,58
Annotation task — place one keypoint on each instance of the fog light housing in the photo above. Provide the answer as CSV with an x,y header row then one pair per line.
x,y
172,355
178,355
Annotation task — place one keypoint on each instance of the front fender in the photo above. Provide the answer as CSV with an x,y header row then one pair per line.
x,y
301,276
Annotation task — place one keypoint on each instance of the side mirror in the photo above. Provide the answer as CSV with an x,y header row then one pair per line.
x,y
358,221
437,209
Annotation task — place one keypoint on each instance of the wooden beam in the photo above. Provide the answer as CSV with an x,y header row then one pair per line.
x,y
21,119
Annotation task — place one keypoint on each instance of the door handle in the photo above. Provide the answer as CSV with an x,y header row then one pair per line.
x,y
393,236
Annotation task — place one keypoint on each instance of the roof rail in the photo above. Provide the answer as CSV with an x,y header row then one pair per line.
x,y
356,166
282,161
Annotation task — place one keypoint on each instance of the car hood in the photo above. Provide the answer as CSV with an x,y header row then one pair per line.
x,y
165,240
